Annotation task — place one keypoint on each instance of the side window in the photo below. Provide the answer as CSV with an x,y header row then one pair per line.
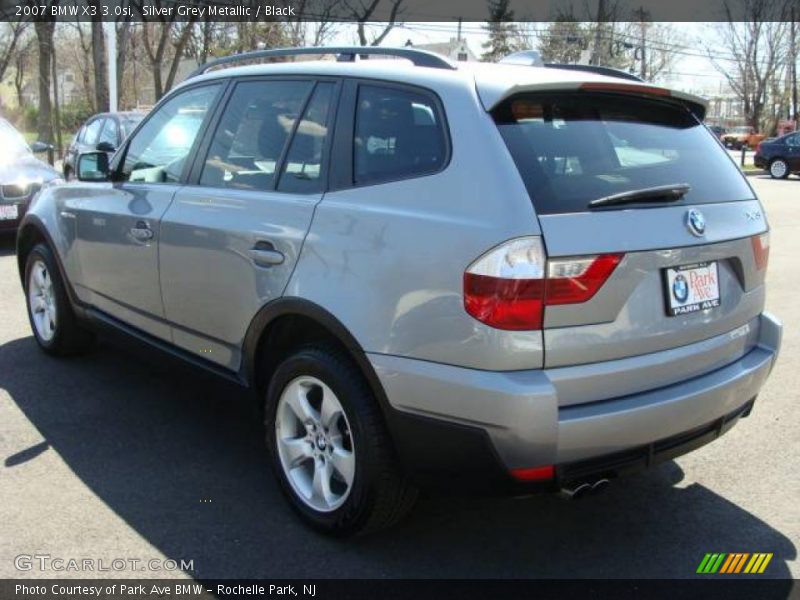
x,y
91,133
397,134
109,133
303,169
159,150
793,140
252,134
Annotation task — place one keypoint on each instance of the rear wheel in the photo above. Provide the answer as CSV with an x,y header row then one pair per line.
x,y
779,169
53,322
329,446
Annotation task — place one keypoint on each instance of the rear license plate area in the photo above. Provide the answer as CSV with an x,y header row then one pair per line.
x,y
691,288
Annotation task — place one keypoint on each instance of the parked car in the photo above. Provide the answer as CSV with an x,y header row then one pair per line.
x,y
104,132
717,130
515,277
21,175
740,137
779,156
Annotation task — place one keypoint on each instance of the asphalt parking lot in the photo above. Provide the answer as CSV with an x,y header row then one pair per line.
x,y
113,455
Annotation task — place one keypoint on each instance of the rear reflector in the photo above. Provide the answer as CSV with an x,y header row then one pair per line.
x,y
510,286
545,473
761,250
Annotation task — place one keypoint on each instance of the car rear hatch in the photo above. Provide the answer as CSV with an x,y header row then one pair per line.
x,y
629,170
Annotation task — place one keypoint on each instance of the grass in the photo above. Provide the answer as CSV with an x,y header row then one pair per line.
x,y
32,136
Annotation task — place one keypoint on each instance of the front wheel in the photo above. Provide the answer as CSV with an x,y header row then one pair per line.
x,y
329,446
779,169
52,320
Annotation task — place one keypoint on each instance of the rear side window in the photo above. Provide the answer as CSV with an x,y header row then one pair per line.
x,y
574,148
398,134
250,139
303,169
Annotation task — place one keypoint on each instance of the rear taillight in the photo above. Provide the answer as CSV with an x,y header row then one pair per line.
x,y
509,286
758,148
761,250
544,473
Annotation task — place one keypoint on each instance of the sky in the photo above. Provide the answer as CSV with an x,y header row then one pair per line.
x,y
690,73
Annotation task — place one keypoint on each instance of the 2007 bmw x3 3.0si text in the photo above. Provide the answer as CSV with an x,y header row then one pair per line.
x,y
542,278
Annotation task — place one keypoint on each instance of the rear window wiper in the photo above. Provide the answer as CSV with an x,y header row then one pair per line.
x,y
659,193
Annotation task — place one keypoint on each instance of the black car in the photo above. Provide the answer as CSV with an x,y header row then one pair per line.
x,y
779,156
21,175
104,132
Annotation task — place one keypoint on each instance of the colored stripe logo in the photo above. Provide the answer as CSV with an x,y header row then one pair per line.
x,y
733,563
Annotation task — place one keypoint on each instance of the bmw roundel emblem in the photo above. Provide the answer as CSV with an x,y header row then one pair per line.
x,y
696,222
680,288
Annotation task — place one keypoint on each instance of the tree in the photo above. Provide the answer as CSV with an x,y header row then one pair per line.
x,y
21,62
756,53
99,59
314,22
81,54
44,38
564,40
12,34
503,33
362,11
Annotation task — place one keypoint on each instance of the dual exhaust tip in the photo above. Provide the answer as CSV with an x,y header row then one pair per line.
x,y
582,489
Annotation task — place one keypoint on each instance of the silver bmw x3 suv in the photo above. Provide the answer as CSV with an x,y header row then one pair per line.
x,y
504,276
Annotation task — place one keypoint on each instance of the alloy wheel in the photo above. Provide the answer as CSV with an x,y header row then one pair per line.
x,y
315,444
42,301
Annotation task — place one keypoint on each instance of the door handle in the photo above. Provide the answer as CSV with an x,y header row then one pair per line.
x,y
265,255
142,232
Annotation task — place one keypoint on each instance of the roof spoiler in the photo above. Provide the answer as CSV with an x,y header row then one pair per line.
x,y
607,71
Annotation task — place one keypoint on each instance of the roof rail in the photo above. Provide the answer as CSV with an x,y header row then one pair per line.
x,y
420,58
607,71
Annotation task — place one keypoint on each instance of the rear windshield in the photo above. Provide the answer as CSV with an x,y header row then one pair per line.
x,y
572,148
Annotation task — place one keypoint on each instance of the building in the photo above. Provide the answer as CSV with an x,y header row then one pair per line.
x,y
456,49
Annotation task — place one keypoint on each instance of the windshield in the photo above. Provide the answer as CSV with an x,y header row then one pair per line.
x,y
572,148
12,144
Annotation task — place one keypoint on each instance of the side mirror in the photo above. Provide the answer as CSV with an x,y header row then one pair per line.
x,y
93,166
106,147
38,147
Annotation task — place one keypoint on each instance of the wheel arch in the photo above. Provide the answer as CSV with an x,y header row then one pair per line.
x,y
291,322
31,232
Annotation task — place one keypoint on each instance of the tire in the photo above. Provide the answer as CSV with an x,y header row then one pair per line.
x,y
54,324
378,494
778,168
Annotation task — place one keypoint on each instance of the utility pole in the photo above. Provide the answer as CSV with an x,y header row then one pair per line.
x,y
793,67
111,59
643,16
458,37
598,32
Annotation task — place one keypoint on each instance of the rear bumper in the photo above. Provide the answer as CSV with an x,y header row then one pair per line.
x,y
759,161
524,424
